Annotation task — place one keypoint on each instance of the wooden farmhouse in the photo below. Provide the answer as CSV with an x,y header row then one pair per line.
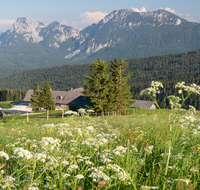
x,y
72,99
144,104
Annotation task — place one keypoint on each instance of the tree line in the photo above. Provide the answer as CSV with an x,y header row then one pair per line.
x,y
12,95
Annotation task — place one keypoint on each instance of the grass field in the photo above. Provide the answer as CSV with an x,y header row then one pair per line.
x,y
149,149
145,150
6,104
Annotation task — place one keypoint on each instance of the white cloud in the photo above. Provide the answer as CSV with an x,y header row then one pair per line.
x,y
143,9
65,22
187,16
92,17
72,23
6,24
87,19
190,19
170,10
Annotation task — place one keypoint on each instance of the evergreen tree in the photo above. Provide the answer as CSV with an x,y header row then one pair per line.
x,y
35,98
46,98
98,85
120,95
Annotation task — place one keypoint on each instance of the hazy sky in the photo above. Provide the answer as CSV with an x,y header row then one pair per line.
x,y
82,13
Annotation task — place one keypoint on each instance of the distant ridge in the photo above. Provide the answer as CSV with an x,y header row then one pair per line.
x,y
122,33
166,68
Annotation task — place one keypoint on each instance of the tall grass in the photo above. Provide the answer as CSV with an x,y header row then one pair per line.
x,y
116,152
156,150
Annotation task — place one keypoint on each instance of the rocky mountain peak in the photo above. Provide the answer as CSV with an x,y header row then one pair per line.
x,y
125,26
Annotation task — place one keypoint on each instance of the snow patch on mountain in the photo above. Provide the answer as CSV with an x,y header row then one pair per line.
x,y
178,21
94,47
73,53
55,44
65,34
35,32
29,28
109,17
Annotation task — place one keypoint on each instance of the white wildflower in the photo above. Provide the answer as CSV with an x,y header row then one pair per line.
x,y
3,154
79,176
9,179
33,188
40,156
133,148
70,113
88,162
180,85
194,169
148,149
72,167
47,178
184,180
22,153
153,90
119,150
65,175
65,162
148,187
169,181
180,91
99,175
90,129
90,111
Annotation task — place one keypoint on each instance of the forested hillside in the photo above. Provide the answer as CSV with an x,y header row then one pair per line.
x,y
168,69
12,95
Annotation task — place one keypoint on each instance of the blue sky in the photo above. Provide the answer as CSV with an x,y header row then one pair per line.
x,y
82,13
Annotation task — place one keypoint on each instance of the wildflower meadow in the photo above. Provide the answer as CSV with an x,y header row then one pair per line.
x,y
159,150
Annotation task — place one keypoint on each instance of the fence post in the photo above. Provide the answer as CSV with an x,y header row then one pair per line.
x,y
62,114
102,113
96,114
27,117
47,114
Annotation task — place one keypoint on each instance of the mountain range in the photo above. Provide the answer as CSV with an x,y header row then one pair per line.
x,y
122,34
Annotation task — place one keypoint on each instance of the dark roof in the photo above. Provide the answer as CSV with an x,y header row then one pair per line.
x,y
73,97
142,104
80,102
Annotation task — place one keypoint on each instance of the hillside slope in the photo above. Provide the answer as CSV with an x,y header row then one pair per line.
x,y
166,68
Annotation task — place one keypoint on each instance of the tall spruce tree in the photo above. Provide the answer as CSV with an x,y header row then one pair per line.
x,y
46,98
120,96
98,85
35,98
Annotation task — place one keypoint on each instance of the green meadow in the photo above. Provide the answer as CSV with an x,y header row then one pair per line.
x,y
147,149
111,152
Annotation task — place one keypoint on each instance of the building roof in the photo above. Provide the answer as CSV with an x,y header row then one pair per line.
x,y
72,97
80,102
142,104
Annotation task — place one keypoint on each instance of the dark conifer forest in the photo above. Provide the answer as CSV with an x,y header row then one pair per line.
x,y
168,69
